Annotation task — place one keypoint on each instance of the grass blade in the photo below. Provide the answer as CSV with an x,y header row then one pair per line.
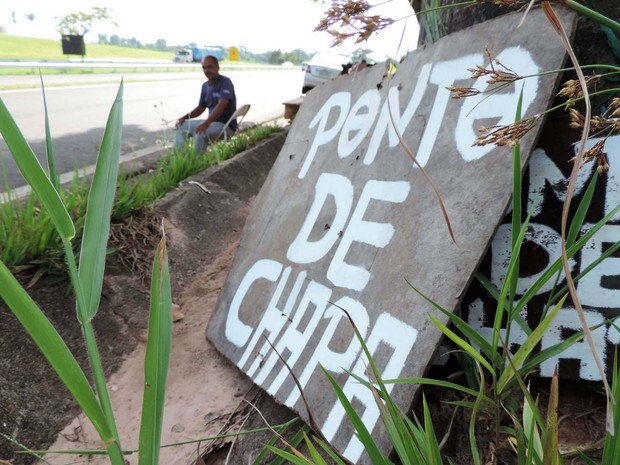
x,y
100,203
472,422
34,174
329,451
461,325
611,452
49,149
516,208
550,447
433,382
581,212
363,434
314,453
494,292
292,458
261,457
462,344
157,359
526,348
530,429
511,271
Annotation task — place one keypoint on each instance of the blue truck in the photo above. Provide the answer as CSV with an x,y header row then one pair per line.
x,y
196,54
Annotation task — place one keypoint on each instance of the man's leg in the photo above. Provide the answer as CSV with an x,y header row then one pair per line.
x,y
214,132
186,130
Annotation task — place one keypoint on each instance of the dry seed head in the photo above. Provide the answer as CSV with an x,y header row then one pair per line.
x,y
571,89
603,163
508,135
614,107
597,123
577,121
460,92
351,14
594,152
497,72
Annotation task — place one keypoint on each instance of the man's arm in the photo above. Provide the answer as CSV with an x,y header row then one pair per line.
x,y
192,114
214,115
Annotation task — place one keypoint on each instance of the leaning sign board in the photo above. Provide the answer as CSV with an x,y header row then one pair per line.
x,y
346,221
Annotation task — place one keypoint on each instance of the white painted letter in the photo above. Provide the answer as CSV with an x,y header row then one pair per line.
x,y
358,122
335,362
296,336
377,234
301,249
273,320
392,105
341,100
236,331
543,172
567,319
592,289
444,75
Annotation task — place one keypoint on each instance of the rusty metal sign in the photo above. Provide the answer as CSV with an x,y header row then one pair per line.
x,y
347,220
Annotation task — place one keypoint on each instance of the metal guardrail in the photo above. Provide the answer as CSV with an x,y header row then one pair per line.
x,y
130,65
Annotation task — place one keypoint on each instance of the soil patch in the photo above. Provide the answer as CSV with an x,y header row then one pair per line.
x,y
204,219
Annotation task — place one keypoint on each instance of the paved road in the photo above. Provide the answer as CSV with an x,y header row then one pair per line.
x,y
151,104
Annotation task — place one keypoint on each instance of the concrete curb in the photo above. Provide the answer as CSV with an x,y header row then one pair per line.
x,y
207,207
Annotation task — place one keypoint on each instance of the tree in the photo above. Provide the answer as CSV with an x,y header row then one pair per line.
x,y
275,58
80,23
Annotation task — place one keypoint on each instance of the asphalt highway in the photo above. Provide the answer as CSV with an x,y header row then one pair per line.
x,y
78,106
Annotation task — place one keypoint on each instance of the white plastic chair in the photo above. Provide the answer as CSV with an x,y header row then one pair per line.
x,y
239,113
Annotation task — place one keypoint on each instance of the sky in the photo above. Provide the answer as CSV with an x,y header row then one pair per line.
x,y
258,25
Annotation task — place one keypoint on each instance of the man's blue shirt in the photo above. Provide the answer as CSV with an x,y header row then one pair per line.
x,y
223,88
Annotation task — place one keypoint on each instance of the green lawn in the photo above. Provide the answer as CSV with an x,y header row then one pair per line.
x,y
26,48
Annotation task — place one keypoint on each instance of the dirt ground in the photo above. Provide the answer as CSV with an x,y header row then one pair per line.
x,y
196,407
204,389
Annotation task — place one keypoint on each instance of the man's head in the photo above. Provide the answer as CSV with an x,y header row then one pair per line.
x,y
211,67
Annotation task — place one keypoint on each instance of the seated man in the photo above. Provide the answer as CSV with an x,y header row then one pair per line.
x,y
218,95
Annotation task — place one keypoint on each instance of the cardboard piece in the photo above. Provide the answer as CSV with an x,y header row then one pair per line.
x,y
345,220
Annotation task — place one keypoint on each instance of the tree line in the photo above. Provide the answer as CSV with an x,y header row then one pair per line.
x,y
273,57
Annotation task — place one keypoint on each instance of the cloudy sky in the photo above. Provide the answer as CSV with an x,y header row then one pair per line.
x,y
259,25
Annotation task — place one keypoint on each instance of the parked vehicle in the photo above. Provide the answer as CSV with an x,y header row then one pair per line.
x,y
196,54
322,67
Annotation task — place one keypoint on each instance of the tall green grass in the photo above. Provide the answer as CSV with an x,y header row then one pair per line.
x,y
87,281
28,236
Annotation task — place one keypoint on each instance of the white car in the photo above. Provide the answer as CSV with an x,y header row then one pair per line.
x,y
322,67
